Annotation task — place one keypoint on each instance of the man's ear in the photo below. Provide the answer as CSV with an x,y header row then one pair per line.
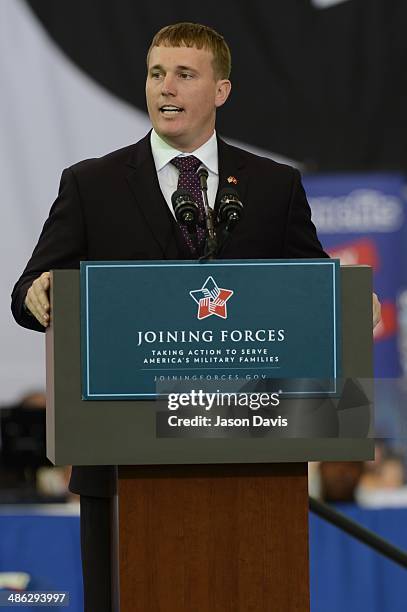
x,y
223,88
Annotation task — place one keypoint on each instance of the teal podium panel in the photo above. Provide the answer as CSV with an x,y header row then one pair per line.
x,y
148,326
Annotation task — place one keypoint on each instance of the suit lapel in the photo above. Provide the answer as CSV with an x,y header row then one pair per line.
x,y
144,184
143,181
232,166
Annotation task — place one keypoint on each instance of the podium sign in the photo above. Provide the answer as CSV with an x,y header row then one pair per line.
x,y
138,431
149,325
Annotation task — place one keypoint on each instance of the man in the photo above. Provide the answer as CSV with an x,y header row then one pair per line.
x,y
119,207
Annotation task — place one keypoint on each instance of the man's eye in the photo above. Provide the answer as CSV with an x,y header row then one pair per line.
x,y
185,75
155,75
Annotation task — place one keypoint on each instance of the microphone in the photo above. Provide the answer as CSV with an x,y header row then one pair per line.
x,y
203,177
230,208
185,209
211,242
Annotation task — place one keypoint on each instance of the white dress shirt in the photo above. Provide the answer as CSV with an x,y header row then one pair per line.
x,y
168,174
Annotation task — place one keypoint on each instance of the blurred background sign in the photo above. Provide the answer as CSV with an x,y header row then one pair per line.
x,y
361,219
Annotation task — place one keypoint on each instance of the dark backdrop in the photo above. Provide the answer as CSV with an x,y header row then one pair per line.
x,y
325,87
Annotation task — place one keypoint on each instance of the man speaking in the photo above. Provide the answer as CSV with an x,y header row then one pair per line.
x,y
119,207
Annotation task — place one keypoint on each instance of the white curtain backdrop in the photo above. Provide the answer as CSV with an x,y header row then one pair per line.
x,y
51,115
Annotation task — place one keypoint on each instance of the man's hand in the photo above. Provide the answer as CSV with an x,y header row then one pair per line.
x,y
37,300
376,310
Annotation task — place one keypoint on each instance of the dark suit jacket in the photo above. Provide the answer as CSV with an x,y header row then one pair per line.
x,y
112,208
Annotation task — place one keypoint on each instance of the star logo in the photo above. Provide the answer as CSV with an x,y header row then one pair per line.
x,y
211,299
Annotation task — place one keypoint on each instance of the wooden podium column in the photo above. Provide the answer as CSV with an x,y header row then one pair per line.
x,y
214,538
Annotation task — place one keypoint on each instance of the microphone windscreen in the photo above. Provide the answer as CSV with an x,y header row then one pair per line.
x,y
179,195
228,206
228,191
185,209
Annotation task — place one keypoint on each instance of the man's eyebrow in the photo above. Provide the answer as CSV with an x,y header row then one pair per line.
x,y
159,67
186,68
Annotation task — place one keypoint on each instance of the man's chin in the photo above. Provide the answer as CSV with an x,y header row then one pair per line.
x,y
172,134
172,127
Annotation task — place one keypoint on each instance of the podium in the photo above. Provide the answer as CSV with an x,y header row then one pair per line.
x,y
204,525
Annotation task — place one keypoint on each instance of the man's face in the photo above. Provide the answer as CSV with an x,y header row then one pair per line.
x,y
182,95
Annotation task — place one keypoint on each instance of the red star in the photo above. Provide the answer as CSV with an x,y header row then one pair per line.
x,y
209,306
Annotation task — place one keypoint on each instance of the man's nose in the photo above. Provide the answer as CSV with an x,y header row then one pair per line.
x,y
168,85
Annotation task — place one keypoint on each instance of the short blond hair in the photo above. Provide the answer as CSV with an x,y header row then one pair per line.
x,y
188,34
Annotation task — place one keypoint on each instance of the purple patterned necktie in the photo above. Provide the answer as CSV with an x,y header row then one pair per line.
x,y
189,180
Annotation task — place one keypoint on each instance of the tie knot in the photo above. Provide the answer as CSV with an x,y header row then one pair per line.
x,y
188,163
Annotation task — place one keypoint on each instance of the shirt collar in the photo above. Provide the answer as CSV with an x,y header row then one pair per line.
x,y
163,153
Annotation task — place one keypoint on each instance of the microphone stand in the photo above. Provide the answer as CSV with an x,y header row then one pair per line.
x,y
211,243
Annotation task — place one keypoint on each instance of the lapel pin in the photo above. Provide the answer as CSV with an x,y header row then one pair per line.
x,y
232,179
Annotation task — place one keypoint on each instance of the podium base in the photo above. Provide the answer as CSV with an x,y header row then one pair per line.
x,y
213,538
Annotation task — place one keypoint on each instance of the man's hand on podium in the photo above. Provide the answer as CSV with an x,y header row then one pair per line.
x,y
376,310
37,299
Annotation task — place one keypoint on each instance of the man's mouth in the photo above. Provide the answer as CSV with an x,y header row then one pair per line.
x,y
169,109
